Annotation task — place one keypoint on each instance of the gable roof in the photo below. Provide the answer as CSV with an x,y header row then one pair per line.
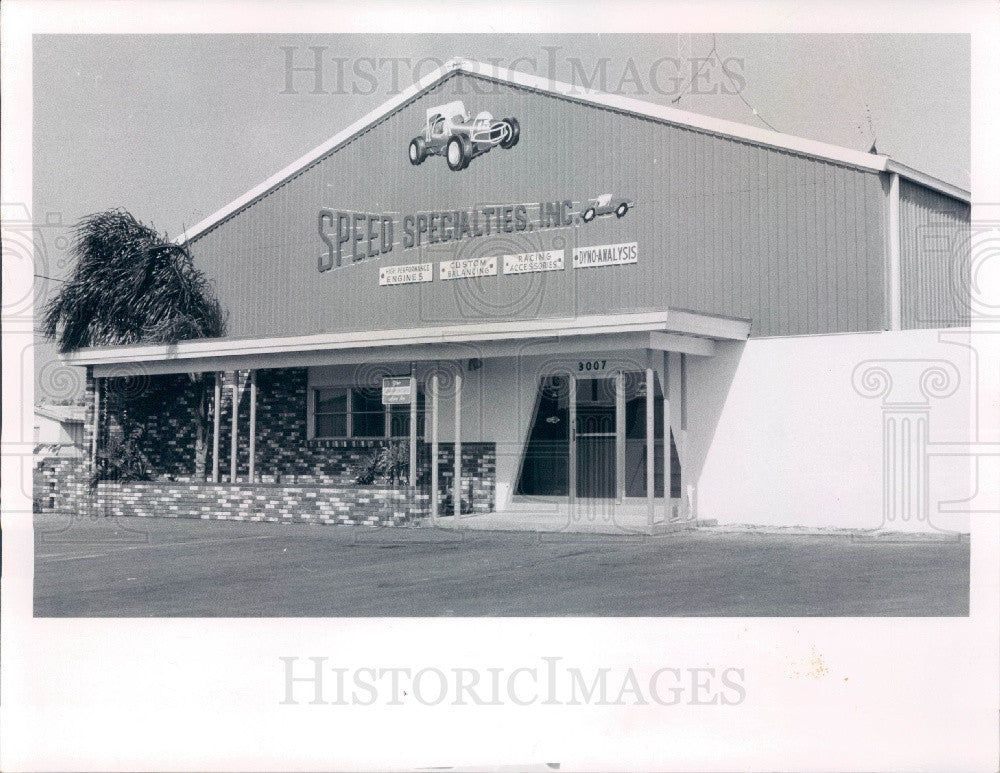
x,y
65,414
626,105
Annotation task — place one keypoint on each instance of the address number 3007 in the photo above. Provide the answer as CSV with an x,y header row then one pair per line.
x,y
594,365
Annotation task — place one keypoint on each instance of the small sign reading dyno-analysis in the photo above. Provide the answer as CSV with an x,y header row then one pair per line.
x,y
606,255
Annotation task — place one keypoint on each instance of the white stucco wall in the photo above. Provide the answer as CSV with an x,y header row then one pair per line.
x,y
798,439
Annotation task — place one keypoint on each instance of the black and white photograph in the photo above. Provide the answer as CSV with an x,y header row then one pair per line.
x,y
550,394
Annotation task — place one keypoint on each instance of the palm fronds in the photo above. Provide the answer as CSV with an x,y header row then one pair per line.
x,y
386,463
130,285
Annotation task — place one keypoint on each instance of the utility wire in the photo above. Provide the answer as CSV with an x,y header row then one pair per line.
x,y
694,77
853,51
753,109
739,92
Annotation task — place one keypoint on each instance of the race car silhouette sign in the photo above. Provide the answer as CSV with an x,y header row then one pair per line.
x,y
451,132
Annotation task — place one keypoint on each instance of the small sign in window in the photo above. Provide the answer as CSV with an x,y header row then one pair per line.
x,y
396,390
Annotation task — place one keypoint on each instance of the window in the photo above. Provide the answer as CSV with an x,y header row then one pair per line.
x,y
399,417
367,413
341,412
330,412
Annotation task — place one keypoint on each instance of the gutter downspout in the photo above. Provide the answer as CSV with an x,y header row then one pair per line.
x,y
894,317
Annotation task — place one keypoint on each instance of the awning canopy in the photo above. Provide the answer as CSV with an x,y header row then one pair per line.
x,y
670,330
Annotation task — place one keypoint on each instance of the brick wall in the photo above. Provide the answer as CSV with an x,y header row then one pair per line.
x,y
162,410
351,505
62,483
59,484
165,408
286,455
479,463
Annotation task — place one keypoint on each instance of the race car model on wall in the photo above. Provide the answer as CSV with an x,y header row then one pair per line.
x,y
606,204
449,132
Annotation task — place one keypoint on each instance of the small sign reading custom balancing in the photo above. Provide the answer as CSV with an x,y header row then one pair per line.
x,y
468,268
403,275
606,255
530,262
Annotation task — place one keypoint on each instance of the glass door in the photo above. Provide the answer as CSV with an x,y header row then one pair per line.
x,y
596,438
545,465
635,436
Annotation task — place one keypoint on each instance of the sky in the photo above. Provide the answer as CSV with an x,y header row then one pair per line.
x,y
174,127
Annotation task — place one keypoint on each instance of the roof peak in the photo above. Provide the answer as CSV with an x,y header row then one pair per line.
x,y
629,105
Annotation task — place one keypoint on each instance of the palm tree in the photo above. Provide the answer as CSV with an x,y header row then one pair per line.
x,y
131,285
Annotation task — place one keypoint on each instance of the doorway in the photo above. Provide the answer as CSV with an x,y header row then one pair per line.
x,y
545,465
609,440
596,438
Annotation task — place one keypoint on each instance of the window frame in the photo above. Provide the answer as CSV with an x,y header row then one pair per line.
x,y
350,401
314,413
350,389
421,415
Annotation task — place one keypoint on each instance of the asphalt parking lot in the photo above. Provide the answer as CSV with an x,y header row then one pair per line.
x,y
165,567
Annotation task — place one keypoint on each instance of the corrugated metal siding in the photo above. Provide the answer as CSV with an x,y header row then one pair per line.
x,y
723,227
934,258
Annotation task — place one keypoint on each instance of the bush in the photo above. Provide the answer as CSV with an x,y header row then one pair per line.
x,y
120,459
387,463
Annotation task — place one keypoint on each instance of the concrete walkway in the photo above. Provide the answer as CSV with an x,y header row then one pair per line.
x,y
584,516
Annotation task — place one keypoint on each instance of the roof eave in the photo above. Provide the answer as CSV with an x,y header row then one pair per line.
x,y
915,175
669,321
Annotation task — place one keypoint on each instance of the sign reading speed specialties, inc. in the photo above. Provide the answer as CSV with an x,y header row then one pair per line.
x,y
606,255
355,236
